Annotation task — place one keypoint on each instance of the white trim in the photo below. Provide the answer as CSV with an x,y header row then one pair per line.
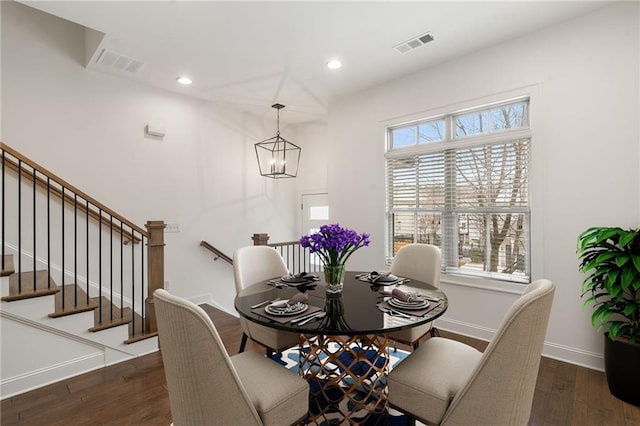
x,y
54,373
582,358
61,333
483,283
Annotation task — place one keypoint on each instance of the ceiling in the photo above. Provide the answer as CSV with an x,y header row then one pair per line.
x,y
253,54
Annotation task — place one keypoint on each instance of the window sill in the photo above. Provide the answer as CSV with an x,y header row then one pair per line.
x,y
483,284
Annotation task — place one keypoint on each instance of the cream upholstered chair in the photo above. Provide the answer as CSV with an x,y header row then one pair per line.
x,y
420,262
250,265
445,382
208,387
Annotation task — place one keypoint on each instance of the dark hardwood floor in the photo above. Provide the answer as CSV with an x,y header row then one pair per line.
x,y
134,393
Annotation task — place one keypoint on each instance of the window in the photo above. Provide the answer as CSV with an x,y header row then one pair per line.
x,y
460,182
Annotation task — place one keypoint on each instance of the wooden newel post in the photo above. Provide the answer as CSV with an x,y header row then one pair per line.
x,y
260,239
155,270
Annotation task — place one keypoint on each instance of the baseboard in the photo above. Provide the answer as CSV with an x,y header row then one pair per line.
x,y
591,360
206,298
35,379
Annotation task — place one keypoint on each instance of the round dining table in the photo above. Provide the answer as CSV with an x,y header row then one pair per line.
x,y
344,337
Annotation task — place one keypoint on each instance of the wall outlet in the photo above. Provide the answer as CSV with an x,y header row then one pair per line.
x,y
172,227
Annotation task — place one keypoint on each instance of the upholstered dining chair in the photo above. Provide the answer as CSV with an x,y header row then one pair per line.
x,y
421,262
250,265
208,387
445,382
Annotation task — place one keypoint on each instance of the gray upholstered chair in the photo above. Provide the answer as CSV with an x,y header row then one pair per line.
x,y
445,382
207,387
421,262
250,265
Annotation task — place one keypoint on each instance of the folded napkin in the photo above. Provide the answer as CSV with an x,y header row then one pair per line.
x,y
297,298
301,277
405,297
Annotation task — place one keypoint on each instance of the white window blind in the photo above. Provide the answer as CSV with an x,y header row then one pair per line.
x,y
469,196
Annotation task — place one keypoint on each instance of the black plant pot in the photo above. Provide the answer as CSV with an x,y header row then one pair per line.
x,y
622,366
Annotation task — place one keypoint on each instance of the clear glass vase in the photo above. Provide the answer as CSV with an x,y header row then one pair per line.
x,y
334,277
334,319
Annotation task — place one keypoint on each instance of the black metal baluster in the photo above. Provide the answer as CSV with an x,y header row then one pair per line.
x,y
100,263
48,232
62,237
133,284
87,220
20,226
34,230
75,250
111,266
121,270
142,286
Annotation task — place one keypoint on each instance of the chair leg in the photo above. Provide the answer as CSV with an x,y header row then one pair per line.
x,y
269,352
416,344
435,332
243,343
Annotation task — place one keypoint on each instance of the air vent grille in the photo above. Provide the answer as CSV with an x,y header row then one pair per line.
x,y
119,62
414,43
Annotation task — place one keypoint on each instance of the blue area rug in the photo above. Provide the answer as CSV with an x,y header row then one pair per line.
x,y
291,357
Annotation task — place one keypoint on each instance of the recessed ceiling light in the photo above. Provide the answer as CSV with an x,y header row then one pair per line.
x,y
184,80
334,64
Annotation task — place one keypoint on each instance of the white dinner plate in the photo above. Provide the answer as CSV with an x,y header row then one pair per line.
x,y
296,280
397,303
282,311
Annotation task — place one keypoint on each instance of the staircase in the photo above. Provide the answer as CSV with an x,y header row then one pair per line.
x,y
76,279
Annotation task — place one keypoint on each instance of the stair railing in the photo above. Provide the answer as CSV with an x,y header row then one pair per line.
x,y
297,258
97,233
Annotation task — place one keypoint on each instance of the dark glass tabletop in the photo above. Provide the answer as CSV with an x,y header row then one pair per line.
x,y
355,312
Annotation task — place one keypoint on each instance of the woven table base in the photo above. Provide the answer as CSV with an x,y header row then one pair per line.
x,y
347,376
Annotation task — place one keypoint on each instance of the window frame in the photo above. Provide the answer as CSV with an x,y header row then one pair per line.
x,y
453,143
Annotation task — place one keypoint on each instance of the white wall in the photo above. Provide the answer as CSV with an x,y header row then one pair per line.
x,y
582,76
88,128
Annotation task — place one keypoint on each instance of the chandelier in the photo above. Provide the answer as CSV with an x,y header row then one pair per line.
x,y
277,157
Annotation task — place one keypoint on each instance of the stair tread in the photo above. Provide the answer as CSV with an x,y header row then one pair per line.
x,y
75,301
110,315
21,286
135,330
8,266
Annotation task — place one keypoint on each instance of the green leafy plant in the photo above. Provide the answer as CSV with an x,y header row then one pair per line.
x,y
611,258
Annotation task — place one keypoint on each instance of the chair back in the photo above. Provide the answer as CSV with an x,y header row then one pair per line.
x,y
500,390
420,262
204,387
256,263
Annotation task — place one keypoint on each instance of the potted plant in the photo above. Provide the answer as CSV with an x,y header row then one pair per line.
x,y
611,258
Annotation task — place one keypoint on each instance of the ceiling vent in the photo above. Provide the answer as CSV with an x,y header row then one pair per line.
x,y
119,62
413,43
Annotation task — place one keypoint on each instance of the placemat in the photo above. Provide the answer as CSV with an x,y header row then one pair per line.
x,y
284,319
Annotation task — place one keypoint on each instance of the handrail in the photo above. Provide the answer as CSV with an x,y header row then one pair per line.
x,y
13,165
217,252
286,243
66,184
